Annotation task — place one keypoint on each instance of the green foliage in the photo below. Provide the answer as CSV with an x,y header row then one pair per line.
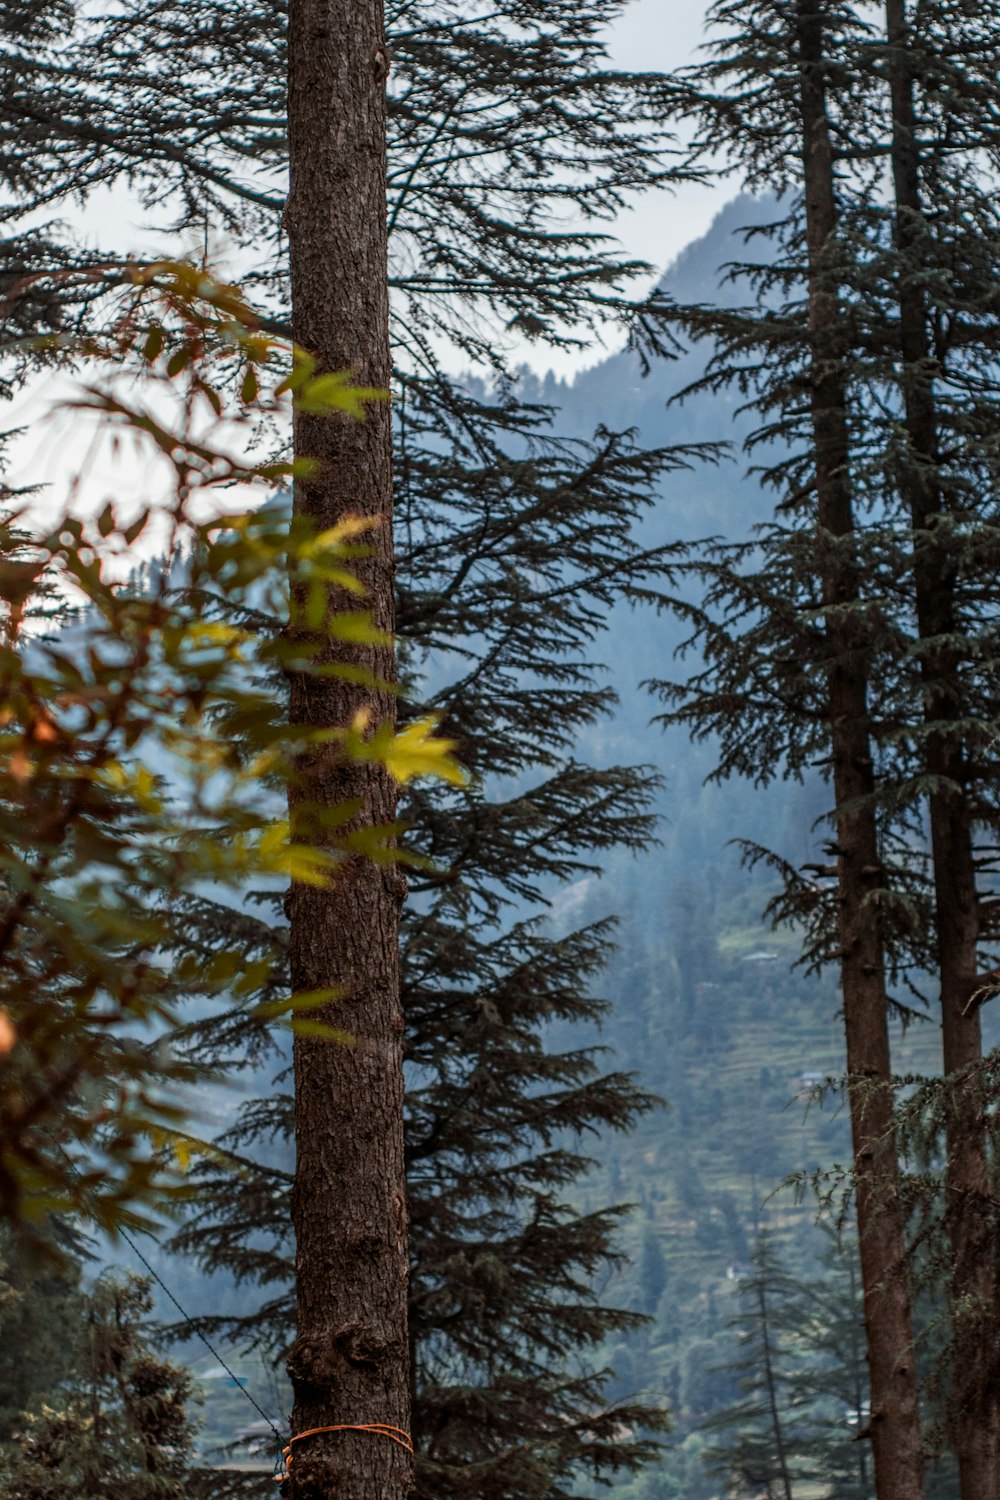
x,y
489,163
40,1303
513,546
135,743
496,620
742,1115
758,625
109,1419
911,324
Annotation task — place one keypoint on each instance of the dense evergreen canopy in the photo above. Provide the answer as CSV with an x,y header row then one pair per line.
x,y
853,635
855,630
505,127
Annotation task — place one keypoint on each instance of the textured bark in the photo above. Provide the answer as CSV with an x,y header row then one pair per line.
x,y
975,1432
349,1363
895,1423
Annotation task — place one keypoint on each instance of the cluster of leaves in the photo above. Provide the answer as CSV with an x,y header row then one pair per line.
x,y
136,740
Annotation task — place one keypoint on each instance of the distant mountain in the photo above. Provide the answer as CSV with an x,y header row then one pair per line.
x,y
719,499
706,1007
619,394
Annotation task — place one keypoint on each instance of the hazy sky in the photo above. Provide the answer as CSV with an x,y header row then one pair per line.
x,y
662,35
650,34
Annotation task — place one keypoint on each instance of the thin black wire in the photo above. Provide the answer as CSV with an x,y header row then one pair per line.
x,y
187,1317
197,1331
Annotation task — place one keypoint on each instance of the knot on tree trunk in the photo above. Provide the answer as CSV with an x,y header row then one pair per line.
x,y
395,883
318,1363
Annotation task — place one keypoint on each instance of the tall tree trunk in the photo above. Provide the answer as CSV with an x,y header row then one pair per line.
x,y
975,1432
349,1363
895,1423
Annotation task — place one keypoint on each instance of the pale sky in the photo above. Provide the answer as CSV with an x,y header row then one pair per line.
x,y
660,35
650,34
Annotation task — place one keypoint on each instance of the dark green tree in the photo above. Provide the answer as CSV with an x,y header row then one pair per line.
x,y
826,1311
38,1303
787,629
804,1382
348,1363
502,1269
651,1269
890,402
760,1459
512,546
108,1417
935,339
693,942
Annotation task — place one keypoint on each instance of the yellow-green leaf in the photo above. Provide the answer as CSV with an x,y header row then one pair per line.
x,y
416,751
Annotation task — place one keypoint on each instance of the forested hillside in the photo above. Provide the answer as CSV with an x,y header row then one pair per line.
x,y
705,1006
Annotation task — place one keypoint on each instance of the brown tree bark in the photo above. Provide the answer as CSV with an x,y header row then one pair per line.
x,y
977,1421
895,1421
349,1363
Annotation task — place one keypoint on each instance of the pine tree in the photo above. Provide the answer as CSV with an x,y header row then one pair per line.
x,y
804,1377
826,1312
501,1269
911,326
888,1318
349,1361
486,159
512,545
109,1418
37,1306
692,941
651,1269
925,336
787,634
760,1459
940,338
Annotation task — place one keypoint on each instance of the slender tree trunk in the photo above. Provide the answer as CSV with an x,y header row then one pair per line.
x,y
952,839
895,1424
858,1395
349,1363
772,1393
